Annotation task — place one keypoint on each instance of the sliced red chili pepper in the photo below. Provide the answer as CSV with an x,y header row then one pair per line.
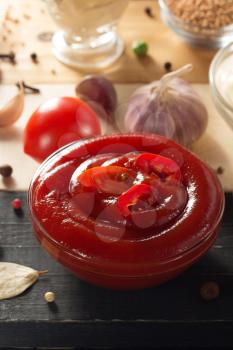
x,y
109,179
92,162
124,160
162,166
171,197
139,196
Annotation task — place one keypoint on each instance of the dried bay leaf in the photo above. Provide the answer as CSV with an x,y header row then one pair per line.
x,y
15,279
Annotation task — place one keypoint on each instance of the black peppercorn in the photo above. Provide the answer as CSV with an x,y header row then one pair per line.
x,y
148,12
220,170
167,66
6,170
34,57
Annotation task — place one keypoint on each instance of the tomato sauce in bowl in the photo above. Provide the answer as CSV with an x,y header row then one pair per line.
x,y
125,211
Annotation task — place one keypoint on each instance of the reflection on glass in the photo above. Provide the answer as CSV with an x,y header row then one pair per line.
x,y
87,37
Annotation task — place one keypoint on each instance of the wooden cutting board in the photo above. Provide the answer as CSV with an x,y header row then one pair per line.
x,y
215,146
28,23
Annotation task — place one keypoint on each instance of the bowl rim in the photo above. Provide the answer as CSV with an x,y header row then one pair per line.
x,y
217,59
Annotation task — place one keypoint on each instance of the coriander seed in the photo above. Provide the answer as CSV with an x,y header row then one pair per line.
x,y
209,291
49,297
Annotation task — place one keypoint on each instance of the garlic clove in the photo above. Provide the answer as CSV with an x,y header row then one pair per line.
x,y
15,279
11,112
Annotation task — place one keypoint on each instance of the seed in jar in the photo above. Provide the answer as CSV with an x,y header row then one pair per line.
x,y
211,14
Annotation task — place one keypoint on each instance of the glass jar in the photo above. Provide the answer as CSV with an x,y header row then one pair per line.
x,y
221,82
195,32
87,37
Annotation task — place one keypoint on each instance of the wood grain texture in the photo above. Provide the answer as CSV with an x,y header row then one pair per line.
x,y
164,45
86,317
215,148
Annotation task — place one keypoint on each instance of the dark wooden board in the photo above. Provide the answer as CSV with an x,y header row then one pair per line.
x,y
89,317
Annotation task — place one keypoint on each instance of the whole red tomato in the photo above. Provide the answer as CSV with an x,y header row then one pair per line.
x,y
57,122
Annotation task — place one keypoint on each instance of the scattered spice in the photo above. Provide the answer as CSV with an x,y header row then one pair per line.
x,y
12,111
53,72
28,89
220,170
15,279
124,177
16,204
4,38
49,297
26,16
34,57
8,56
140,48
209,291
148,12
168,66
6,170
45,36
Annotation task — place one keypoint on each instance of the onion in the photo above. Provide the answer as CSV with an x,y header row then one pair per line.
x,y
100,90
100,95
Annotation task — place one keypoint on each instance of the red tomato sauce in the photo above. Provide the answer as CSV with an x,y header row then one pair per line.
x,y
126,211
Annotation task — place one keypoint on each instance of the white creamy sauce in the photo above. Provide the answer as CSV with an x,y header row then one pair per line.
x,y
86,16
224,79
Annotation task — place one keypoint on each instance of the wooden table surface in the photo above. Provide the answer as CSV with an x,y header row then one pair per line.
x,y
84,316
27,20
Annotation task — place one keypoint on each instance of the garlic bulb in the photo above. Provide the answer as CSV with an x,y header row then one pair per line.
x,y
169,107
11,112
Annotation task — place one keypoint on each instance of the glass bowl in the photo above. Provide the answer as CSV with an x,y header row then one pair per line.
x,y
196,35
124,263
87,37
221,82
